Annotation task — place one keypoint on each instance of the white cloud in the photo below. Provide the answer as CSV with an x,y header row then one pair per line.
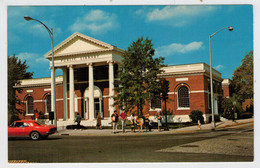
x,y
96,21
176,15
177,48
219,67
32,59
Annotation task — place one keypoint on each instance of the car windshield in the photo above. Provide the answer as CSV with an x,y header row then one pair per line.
x,y
37,123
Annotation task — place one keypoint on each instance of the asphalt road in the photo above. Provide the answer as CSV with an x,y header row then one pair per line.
x,y
227,145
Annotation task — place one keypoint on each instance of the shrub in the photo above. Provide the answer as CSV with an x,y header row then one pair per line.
x,y
196,115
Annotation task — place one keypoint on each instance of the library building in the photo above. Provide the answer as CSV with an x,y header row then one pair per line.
x,y
86,86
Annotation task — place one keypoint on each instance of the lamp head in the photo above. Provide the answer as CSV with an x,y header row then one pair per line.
x,y
230,28
27,18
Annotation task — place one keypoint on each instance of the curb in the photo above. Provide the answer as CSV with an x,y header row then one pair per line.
x,y
149,133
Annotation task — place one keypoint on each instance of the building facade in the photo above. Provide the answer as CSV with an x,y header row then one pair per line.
x,y
87,85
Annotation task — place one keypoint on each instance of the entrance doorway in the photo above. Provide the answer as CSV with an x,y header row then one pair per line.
x,y
97,103
96,106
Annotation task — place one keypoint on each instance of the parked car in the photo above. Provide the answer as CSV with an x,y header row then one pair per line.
x,y
32,129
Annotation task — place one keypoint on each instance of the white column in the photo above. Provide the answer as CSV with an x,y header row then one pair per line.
x,y
111,88
72,112
91,91
65,109
100,107
87,109
52,90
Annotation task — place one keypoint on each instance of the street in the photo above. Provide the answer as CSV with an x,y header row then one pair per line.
x,y
233,144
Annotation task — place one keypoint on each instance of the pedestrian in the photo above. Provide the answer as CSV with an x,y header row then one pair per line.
x,y
99,118
159,121
78,120
139,123
123,120
233,114
132,119
150,125
114,118
146,122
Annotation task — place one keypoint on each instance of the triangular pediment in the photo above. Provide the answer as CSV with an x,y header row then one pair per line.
x,y
79,43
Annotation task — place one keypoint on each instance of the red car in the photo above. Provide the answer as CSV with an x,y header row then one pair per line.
x,y
32,129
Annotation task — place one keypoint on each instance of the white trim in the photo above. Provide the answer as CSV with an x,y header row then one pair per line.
x,y
199,91
48,89
156,109
184,108
195,91
181,79
29,91
37,101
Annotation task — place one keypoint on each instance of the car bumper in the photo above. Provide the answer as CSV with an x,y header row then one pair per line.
x,y
51,131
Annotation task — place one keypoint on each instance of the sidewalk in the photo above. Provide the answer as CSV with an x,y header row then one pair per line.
x,y
109,132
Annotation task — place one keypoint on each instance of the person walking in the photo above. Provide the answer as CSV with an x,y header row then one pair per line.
x,y
78,120
99,118
123,120
139,123
132,119
159,121
114,118
146,122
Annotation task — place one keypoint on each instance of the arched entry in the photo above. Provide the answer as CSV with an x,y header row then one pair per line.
x,y
97,103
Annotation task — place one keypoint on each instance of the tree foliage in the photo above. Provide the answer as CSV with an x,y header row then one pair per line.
x,y
242,81
16,71
139,81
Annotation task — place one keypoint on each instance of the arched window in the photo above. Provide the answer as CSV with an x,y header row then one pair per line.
x,y
183,97
29,105
47,104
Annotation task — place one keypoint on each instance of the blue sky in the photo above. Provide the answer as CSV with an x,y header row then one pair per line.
x,y
179,33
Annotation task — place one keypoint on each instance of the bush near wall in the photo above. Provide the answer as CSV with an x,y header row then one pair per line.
x,y
196,116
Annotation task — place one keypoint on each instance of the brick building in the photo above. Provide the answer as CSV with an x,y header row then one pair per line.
x,y
87,85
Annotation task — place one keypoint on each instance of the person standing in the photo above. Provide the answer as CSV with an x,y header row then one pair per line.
x,y
114,118
78,120
146,122
99,118
159,121
132,119
123,120
139,123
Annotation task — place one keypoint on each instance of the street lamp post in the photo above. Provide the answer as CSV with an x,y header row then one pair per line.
x,y
230,28
53,70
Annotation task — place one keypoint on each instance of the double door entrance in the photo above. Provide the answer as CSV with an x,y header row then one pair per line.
x,y
97,104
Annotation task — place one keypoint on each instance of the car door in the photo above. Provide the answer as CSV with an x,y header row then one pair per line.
x,y
16,129
11,130
26,129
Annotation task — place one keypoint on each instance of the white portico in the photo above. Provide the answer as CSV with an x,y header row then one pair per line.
x,y
80,54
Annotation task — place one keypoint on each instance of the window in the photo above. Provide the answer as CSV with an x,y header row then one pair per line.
x,y
183,97
47,104
29,105
156,103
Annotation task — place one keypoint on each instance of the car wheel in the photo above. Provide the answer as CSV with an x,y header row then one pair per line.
x,y
35,135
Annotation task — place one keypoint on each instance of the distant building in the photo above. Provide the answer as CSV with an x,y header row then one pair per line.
x,y
87,86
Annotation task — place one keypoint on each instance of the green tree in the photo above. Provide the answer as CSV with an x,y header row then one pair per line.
x,y
139,81
242,81
16,71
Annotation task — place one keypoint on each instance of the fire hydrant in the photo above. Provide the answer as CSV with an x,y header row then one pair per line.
x,y
199,125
